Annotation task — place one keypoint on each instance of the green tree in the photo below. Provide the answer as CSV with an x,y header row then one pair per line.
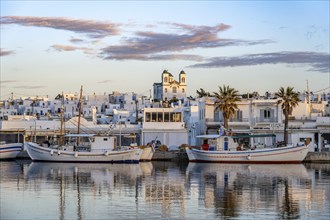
x,y
288,100
226,101
201,93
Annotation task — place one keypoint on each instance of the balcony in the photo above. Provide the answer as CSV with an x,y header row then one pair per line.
x,y
232,122
212,123
323,121
266,120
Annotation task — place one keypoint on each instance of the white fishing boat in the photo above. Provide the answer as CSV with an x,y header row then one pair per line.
x,y
96,149
229,149
10,150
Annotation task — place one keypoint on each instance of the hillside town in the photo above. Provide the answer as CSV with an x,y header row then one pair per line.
x,y
169,116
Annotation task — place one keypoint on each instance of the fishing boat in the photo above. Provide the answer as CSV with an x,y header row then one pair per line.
x,y
83,147
231,149
98,148
10,150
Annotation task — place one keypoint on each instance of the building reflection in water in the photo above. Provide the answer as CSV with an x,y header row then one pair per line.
x,y
167,188
164,190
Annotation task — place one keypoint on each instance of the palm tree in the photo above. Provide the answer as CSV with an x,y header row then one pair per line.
x,y
202,93
226,101
289,99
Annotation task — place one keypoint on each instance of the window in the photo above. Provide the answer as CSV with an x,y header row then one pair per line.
x,y
153,116
159,117
174,89
183,79
239,115
267,113
165,90
175,117
148,117
182,90
166,116
165,79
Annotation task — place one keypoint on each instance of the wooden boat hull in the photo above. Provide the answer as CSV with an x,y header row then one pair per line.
x,y
39,153
10,151
147,154
294,154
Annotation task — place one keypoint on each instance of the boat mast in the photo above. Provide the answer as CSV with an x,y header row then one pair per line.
x,y
62,121
309,101
79,112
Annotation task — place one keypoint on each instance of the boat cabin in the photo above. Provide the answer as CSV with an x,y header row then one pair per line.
x,y
236,142
92,142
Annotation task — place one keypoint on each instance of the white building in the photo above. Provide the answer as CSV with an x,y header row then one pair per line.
x,y
165,125
308,123
169,88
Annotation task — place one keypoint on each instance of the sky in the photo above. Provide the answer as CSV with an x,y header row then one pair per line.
x,y
50,47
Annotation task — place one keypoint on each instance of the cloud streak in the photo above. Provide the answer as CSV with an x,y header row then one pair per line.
x,y
76,40
8,81
143,45
61,48
318,62
29,87
91,28
6,52
105,81
149,44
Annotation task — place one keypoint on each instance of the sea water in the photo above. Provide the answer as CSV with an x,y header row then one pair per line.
x,y
163,190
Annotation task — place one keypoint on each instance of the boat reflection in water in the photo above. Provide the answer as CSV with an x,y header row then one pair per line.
x,y
79,184
237,190
168,190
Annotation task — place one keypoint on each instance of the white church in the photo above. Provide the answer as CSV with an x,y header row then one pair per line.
x,y
169,88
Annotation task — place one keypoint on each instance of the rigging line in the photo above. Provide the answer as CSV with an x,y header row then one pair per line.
x,y
97,125
84,131
322,89
94,131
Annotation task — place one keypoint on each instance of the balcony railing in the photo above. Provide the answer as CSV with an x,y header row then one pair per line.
x,y
230,120
266,120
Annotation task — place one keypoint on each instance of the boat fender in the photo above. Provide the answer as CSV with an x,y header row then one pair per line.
x,y
58,152
75,154
249,157
106,153
51,152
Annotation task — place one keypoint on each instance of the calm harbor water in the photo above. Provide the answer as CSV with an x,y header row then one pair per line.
x,y
163,190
